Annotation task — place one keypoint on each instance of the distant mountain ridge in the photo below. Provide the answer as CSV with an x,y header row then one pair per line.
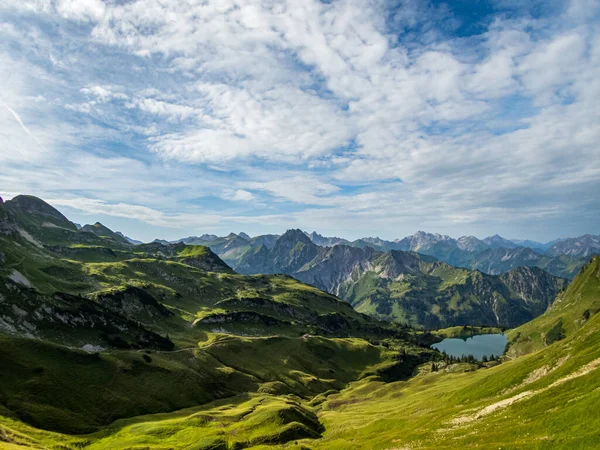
x,y
407,286
493,255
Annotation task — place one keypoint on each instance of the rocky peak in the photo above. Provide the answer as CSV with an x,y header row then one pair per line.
x,y
396,263
326,241
422,240
470,244
244,236
294,235
497,241
292,251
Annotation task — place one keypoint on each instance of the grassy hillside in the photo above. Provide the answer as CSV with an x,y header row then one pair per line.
x,y
94,332
436,295
544,400
58,388
570,311
108,346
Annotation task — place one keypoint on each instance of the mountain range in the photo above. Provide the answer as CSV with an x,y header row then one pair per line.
x,y
420,290
404,286
493,255
109,345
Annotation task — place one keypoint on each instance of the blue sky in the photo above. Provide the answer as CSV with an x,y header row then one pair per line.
x,y
352,118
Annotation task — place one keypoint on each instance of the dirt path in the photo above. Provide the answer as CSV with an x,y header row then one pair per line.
x,y
523,395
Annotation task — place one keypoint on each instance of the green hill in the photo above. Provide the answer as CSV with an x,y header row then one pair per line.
x,y
570,311
544,400
130,330
164,346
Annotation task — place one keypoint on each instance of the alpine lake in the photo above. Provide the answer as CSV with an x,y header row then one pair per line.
x,y
478,346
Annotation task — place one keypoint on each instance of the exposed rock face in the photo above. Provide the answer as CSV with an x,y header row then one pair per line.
x,y
335,266
493,255
256,260
581,247
422,241
198,240
497,241
292,251
25,312
536,287
326,241
470,244
133,303
268,240
495,261
499,260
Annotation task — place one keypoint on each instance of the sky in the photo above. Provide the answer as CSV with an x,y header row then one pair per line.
x,y
350,117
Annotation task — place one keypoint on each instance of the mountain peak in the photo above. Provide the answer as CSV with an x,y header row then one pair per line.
x,y
497,241
103,231
295,235
33,205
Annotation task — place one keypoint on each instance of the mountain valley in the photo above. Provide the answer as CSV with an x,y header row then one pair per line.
x,y
108,344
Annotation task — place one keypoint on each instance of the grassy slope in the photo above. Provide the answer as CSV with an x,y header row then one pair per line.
x,y
142,281
441,410
58,388
300,396
569,312
544,400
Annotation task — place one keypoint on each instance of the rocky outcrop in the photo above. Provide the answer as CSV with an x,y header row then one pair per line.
x,y
536,287
25,312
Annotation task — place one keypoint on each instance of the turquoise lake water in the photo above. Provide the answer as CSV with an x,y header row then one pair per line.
x,y
478,346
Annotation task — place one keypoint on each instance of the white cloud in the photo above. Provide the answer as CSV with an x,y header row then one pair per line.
x,y
104,94
238,195
85,10
142,213
296,187
315,103
282,123
161,108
